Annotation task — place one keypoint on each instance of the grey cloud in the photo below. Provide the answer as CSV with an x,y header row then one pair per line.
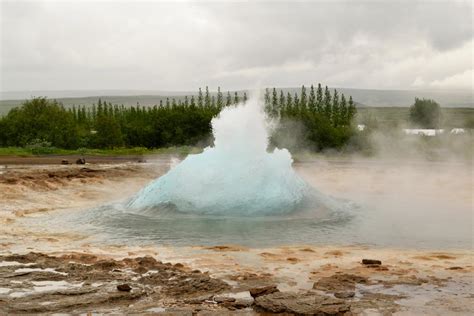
x,y
156,45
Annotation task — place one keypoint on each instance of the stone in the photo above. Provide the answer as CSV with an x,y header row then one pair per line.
x,y
263,290
80,161
308,303
371,262
224,299
344,295
237,300
198,299
342,282
124,287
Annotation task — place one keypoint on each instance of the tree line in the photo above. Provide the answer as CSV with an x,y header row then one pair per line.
x,y
325,117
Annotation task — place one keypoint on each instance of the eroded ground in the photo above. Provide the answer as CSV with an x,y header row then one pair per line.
x,y
42,271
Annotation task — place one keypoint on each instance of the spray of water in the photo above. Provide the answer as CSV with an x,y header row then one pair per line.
x,y
237,176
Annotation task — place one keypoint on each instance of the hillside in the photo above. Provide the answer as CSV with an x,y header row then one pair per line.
x,y
363,97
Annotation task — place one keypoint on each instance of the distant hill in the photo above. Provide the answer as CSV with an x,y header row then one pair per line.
x,y
404,98
363,97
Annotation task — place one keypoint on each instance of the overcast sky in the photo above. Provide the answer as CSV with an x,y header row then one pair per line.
x,y
70,45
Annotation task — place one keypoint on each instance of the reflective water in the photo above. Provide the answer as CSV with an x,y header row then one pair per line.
x,y
426,205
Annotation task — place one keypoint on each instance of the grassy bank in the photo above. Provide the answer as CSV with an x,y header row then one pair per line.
x,y
29,152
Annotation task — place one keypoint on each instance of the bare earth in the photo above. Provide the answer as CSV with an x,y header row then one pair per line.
x,y
43,271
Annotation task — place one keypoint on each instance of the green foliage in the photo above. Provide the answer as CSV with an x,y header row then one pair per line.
x,y
320,122
42,119
40,147
425,113
44,126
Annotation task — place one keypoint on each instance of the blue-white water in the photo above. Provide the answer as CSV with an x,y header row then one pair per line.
x,y
235,177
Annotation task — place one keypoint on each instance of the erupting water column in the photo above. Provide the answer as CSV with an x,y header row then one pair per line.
x,y
235,177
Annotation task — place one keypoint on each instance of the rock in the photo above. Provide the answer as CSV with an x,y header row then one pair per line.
x,y
343,282
224,299
237,300
308,303
124,287
64,162
198,299
345,295
371,262
80,161
264,290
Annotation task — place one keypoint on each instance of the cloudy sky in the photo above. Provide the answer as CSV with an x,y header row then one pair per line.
x,y
71,45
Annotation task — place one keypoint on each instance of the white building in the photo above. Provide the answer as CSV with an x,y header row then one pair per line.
x,y
423,131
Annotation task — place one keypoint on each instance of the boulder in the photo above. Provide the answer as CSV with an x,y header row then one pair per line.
x,y
124,287
339,282
371,262
237,300
308,303
263,290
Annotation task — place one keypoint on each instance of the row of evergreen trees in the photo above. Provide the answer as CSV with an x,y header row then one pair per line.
x,y
333,108
173,122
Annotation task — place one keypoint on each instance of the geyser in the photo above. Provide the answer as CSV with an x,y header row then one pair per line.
x,y
235,177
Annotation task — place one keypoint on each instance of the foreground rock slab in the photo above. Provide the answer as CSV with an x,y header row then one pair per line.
x,y
302,304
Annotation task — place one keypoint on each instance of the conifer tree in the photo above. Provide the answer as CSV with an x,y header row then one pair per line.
x,y
186,101
245,97
319,99
335,108
192,104
220,98
289,102
351,111
312,100
200,99
303,101
236,97
228,100
282,101
296,104
343,110
99,108
327,103
74,112
207,98
267,98
274,106
213,101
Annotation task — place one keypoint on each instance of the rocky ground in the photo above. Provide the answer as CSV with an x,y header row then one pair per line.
x,y
78,283
45,272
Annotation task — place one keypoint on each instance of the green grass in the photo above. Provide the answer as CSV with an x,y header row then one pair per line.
x,y
27,152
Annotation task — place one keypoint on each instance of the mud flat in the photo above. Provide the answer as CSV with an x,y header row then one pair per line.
x,y
44,270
